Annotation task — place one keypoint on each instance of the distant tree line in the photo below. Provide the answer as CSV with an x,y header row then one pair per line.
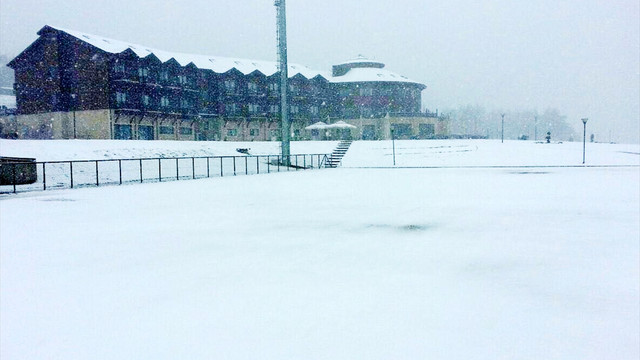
x,y
475,121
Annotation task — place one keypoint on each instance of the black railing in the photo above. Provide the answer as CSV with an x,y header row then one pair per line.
x,y
92,173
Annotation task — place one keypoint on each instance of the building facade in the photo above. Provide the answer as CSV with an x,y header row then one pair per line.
x,y
72,85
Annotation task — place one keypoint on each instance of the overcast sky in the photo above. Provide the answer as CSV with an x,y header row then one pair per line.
x,y
579,56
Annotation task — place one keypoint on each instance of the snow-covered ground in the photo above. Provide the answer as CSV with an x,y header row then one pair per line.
x,y
488,153
347,263
61,150
194,160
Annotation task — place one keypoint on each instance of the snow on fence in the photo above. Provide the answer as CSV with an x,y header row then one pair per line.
x,y
87,173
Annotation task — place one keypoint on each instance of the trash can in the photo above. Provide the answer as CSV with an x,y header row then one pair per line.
x,y
17,171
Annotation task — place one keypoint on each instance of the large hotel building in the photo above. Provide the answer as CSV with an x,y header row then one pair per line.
x,y
70,85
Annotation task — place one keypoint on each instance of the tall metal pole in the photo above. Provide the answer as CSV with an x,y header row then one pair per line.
x,y
282,65
73,96
502,136
584,138
393,145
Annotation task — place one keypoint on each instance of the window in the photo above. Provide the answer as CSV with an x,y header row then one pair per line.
x,y
121,98
164,101
293,89
53,72
182,79
145,132
119,68
166,130
427,130
230,108
146,100
143,72
273,87
122,132
274,108
164,75
186,131
366,91
401,130
252,87
293,109
366,111
230,85
254,132
313,110
254,108
232,132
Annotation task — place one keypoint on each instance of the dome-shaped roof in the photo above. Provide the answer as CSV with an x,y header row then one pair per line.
x,y
362,69
362,61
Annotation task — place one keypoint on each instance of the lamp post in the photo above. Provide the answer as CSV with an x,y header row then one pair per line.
x,y
584,137
73,97
502,136
393,145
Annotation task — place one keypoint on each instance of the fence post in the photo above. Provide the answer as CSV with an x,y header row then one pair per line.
x,y
140,170
97,175
159,170
246,165
44,176
296,162
234,166
14,177
268,164
278,163
71,172
120,170
177,170
208,166
258,164
221,167
193,167
311,156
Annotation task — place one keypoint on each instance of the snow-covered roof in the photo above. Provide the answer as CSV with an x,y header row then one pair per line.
x,y
361,59
218,64
371,75
362,69
368,71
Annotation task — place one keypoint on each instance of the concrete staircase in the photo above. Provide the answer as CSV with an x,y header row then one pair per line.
x,y
336,156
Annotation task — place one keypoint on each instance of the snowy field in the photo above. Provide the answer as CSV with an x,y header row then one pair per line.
x,y
151,161
348,263
61,150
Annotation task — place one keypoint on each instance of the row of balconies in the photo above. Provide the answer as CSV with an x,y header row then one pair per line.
x,y
191,107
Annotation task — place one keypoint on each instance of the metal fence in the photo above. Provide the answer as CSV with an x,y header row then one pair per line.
x,y
93,173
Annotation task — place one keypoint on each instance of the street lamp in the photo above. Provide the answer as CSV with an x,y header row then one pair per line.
x,y
502,137
73,96
584,137
393,145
